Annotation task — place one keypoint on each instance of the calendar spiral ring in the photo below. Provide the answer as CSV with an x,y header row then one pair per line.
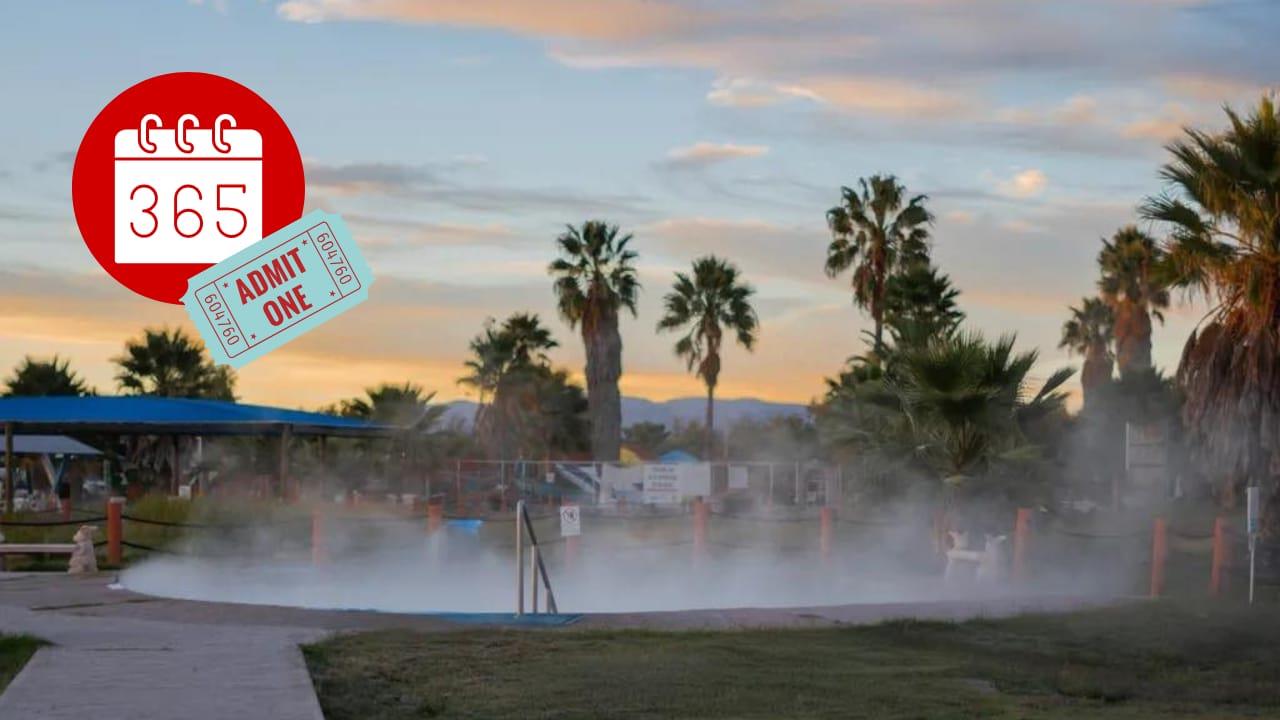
x,y
220,125
180,139
144,132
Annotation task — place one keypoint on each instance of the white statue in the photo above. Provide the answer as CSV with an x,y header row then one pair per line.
x,y
83,559
986,565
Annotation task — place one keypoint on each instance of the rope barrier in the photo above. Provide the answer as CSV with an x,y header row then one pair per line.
x,y
765,519
147,548
1091,536
213,526
50,523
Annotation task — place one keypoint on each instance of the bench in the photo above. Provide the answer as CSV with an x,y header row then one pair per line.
x,y
7,549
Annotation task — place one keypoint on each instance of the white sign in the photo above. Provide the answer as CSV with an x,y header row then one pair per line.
x,y
695,479
661,484
738,477
570,521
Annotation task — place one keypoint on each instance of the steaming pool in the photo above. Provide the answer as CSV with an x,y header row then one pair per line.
x,y
451,574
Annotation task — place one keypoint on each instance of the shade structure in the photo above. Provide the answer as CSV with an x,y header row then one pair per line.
x,y
145,415
50,445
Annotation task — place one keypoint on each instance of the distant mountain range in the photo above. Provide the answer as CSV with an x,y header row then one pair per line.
x,y
635,410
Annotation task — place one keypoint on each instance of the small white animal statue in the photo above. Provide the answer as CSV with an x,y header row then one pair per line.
x,y
959,558
83,559
986,565
991,568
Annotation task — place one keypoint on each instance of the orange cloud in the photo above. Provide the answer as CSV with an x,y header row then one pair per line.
x,y
707,153
602,20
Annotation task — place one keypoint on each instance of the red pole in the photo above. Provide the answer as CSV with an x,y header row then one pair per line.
x,y
1217,576
824,532
115,530
319,552
435,517
571,551
1021,543
1159,552
699,526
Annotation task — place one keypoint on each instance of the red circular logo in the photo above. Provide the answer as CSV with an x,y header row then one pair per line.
x,y
179,172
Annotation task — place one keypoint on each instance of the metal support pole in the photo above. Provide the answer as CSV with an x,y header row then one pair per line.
x,y
519,559
769,500
286,435
533,571
797,484
8,468
1253,547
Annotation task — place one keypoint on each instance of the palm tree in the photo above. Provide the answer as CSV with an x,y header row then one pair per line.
x,y
1088,333
1223,210
1132,287
707,304
594,279
873,229
172,364
919,303
406,405
45,377
509,360
959,404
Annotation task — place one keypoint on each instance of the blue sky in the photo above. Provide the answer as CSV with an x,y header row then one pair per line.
x,y
458,136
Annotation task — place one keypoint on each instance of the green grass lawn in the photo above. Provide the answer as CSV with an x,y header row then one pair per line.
x,y
1144,661
15,651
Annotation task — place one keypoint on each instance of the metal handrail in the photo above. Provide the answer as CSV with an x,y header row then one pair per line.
x,y
536,565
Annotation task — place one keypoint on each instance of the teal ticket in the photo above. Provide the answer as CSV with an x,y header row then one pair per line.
x,y
269,293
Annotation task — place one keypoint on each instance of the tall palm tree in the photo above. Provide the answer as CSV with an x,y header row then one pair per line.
x,y
1088,333
45,377
1132,285
1223,210
594,279
880,230
169,362
706,304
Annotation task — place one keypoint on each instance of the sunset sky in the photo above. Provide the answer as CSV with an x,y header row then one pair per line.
x,y
457,137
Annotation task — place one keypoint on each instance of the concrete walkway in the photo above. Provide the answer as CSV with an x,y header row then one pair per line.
x,y
129,669
120,655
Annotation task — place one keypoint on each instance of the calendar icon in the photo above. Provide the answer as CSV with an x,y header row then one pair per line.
x,y
186,194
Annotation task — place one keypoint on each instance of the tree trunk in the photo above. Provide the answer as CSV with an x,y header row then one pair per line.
x,y
710,422
1095,373
1133,340
603,346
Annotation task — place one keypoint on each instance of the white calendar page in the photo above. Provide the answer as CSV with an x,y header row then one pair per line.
x,y
187,201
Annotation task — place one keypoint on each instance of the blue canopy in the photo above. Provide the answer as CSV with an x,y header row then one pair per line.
x,y
677,456
161,415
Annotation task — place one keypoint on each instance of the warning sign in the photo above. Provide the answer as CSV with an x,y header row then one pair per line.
x,y
570,521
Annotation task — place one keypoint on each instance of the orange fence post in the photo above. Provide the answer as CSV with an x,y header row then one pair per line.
x,y
1021,543
115,530
1159,552
319,552
435,516
699,526
1218,576
824,532
571,551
